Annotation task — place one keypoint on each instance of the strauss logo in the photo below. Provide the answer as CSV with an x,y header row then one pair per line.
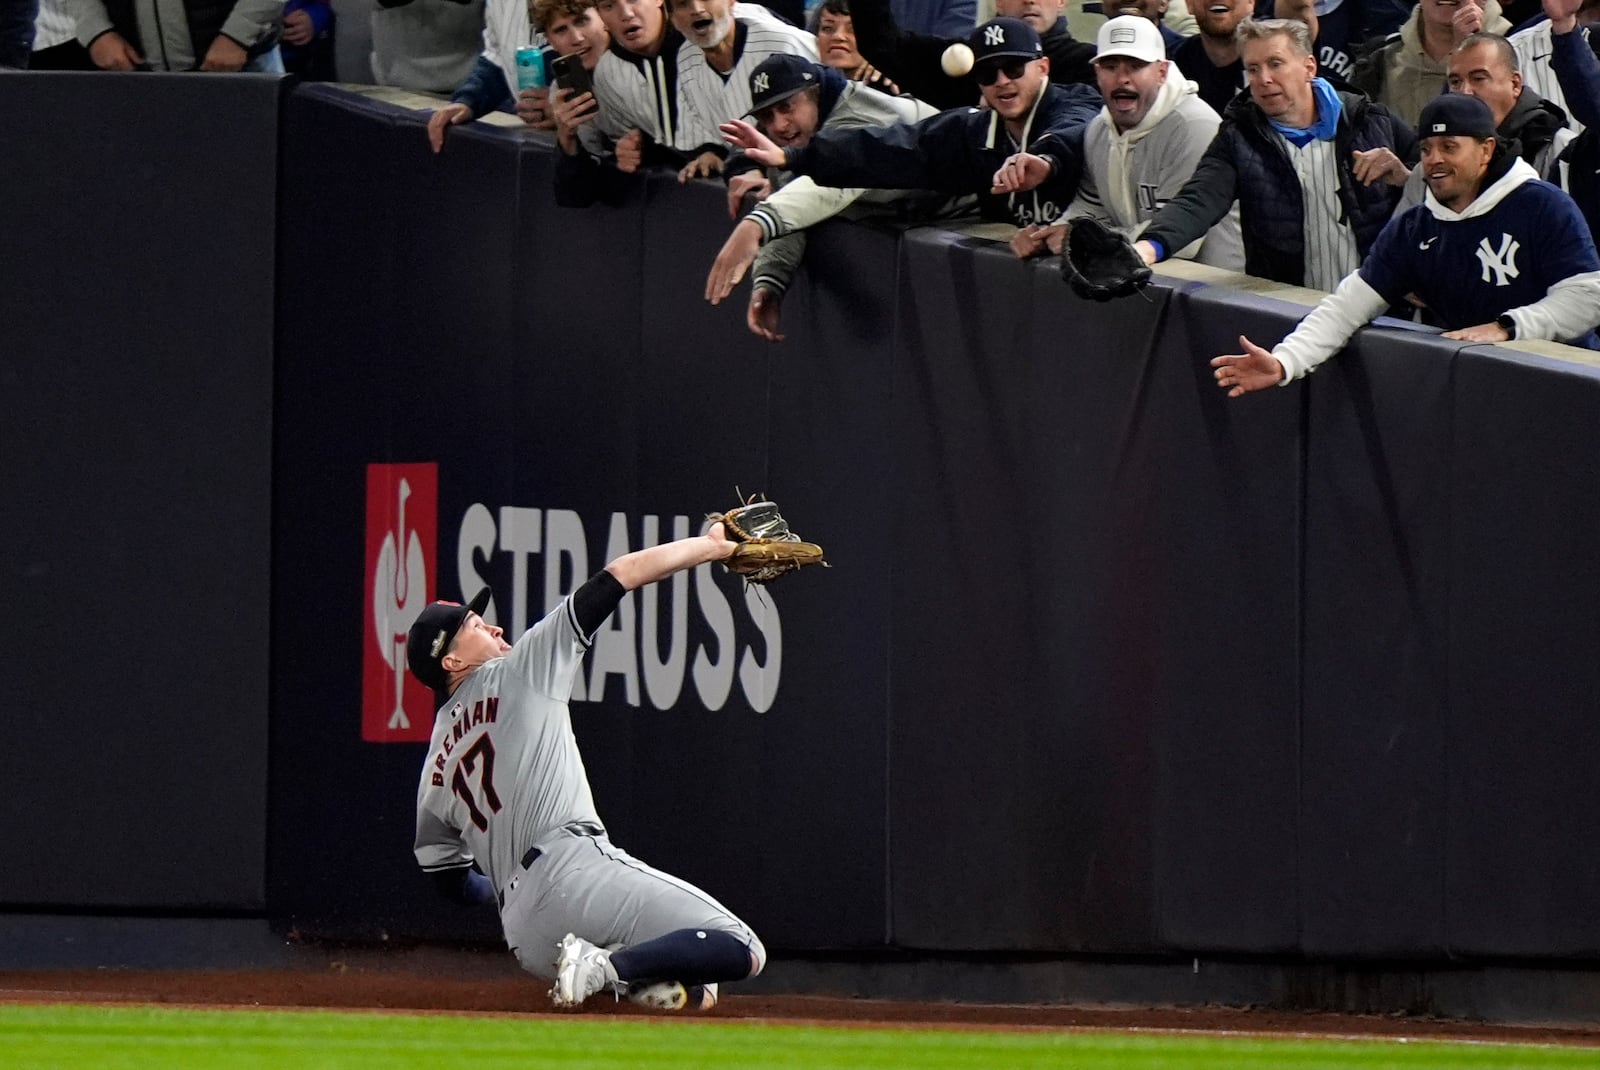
x,y
399,593
401,550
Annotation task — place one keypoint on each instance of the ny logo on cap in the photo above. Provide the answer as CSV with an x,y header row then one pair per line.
x,y
994,35
1122,36
762,82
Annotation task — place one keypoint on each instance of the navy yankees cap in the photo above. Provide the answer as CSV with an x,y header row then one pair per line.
x,y
779,77
1004,37
430,637
1456,114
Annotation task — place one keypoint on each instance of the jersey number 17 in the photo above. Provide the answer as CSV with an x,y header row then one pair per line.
x,y
483,749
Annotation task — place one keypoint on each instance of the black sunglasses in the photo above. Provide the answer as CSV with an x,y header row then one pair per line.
x,y
989,73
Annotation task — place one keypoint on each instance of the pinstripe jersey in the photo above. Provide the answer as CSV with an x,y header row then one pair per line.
x,y
1534,49
639,93
503,770
505,29
716,97
1330,245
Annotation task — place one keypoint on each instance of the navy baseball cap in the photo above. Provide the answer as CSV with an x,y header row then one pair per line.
x,y
1456,114
779,77
430,636
1004,37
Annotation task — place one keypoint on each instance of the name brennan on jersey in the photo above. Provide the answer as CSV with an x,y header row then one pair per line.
x,y
483,712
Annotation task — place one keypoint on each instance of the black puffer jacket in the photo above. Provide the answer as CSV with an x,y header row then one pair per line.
x,y
1533,123
1246,162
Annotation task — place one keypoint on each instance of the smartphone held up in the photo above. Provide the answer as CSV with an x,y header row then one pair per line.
x,y
570,74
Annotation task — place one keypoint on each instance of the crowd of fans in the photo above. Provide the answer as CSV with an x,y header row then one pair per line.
x,y
1312,142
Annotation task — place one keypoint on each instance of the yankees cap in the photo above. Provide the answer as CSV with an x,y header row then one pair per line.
x,y
1133,36
1004,37
1456,114
431,634
779,77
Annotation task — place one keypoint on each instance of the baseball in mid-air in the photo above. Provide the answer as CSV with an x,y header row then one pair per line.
x,y
957,60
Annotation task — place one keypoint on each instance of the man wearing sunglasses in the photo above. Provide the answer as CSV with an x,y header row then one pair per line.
x,y
915,60
1023,153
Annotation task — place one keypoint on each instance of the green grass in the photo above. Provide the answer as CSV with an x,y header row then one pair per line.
x,y
115,1038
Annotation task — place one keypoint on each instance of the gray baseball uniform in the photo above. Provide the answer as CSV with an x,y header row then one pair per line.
x,y
504,785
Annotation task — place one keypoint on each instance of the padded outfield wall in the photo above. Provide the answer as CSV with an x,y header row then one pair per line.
x,y
1107,664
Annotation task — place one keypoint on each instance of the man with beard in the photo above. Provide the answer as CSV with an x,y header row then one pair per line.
x,y
1316,172
724,42
1141,149
915,62
793,98
1022,154
1491,238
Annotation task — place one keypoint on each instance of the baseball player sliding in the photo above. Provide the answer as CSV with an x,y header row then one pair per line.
x,y
504,791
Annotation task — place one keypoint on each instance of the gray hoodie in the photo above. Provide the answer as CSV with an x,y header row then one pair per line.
x,y
1129,175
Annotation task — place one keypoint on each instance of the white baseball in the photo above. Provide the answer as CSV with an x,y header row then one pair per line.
x,y
957,60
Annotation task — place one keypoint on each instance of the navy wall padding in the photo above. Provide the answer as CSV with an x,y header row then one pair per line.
x,y
135,433
1521,807
1219,488
1375,714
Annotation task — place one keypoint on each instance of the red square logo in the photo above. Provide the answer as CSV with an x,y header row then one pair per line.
x,y
402,555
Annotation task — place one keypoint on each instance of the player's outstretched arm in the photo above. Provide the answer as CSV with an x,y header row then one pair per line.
x,y
658,562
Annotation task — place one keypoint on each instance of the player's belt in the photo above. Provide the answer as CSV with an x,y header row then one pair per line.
x,y
531,855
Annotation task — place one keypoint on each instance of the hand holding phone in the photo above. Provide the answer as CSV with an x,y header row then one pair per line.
x,y
570,74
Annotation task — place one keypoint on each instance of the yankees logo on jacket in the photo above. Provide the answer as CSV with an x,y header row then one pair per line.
x,y
1520,244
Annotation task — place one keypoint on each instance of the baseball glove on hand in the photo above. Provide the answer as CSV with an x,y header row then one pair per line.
x,y
767,548
1100,264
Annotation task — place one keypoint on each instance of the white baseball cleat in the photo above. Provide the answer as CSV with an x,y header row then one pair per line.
x,y
673,996
581,970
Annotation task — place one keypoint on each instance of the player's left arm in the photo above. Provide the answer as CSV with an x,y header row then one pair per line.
x,y
654,563
465,885
547,653
444,858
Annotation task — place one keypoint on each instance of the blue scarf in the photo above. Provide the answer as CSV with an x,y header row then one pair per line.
x,y
1329,108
